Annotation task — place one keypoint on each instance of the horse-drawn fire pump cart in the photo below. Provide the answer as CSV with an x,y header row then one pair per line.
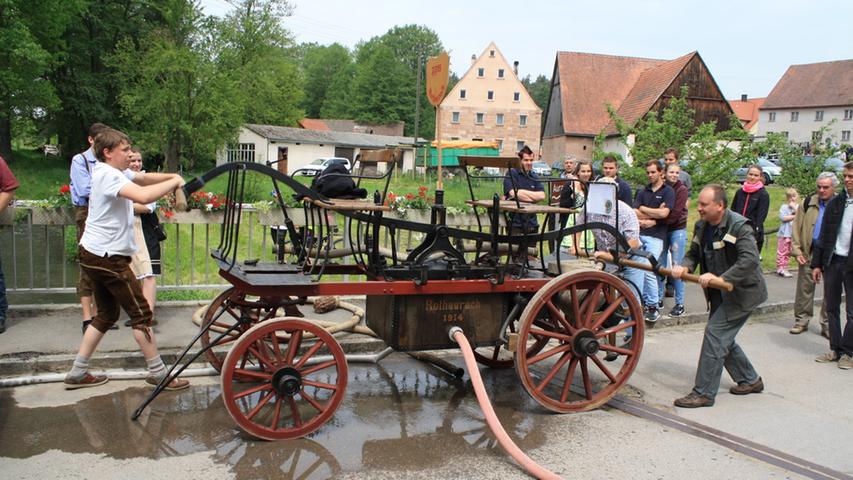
x,y
554,321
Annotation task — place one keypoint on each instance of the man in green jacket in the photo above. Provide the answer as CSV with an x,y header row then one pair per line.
x,y
723,247
805,230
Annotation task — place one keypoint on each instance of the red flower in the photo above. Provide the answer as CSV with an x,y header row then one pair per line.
x,y
65,189
168,213
409,196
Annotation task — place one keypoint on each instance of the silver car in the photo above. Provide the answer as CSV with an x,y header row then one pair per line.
x,y
771,171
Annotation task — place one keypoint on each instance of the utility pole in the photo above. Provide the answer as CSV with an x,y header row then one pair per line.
x,y
418,107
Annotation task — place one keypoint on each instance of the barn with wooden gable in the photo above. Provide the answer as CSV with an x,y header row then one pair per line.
x,y
583,84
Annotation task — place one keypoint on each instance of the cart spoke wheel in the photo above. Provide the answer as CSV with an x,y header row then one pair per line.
x,y
292,388
226,310
580,315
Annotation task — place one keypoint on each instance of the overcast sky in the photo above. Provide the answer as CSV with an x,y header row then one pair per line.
x,y
747,44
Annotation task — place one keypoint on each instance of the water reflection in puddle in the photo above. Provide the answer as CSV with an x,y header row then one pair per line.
x,y
401,415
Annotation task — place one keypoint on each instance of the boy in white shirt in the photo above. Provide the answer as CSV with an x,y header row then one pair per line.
x,y
105,249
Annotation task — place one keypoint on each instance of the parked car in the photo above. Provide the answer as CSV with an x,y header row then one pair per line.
x,y
771,171
557,168
831,164
542,169
317,166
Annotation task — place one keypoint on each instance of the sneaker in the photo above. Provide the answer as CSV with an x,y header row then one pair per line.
x,y
87,380
652,315
798,329
747,388
694,400
845,362
660,304
677,310
827,357
176,384
784,274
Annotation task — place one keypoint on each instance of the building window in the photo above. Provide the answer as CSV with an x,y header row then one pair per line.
x,y
795,116
491,53
516,96
500,73
476,139
519,145
454,138
481,72
815,136
818,116
845,135
771,117
454,117
499,119
784,134
242,152
501,143
848,114
490,95
522,120
462,93
481,117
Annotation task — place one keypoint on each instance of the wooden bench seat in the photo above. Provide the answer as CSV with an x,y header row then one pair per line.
x,y
349,205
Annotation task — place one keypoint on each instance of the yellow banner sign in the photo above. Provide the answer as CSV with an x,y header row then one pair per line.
x,y
437,71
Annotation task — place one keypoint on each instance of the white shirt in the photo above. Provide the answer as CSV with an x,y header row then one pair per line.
x,y
842,242
109,226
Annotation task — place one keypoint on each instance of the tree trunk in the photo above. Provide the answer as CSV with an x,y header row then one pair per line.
x,y
171,154
6,138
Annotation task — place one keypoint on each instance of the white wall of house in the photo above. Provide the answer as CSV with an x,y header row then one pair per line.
x,y
298,154
615,145
800,131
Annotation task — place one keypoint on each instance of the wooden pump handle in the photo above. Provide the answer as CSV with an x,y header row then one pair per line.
x,y
688,277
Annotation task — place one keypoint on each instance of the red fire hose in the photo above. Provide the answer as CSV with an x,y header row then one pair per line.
x,y
526,462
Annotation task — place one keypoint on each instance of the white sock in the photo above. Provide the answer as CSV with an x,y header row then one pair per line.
x,y
79,368
156,367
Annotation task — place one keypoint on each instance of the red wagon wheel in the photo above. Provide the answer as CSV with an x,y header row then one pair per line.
x,y
584,310
227,309
297,385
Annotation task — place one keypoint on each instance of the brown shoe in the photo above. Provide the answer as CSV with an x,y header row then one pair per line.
x,y
694,400
176,384
747,388
845,362
798,329
827,357
87,380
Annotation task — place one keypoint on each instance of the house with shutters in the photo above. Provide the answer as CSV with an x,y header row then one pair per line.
x,y
490,104
807,98
584,84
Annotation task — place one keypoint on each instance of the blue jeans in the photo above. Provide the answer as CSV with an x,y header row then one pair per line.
x,y
4,305
651,292
677,240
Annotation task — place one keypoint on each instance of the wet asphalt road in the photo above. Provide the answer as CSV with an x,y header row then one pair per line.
x,y
400,419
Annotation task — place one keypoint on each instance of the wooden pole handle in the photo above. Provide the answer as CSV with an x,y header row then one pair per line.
x,y
181,200
687,277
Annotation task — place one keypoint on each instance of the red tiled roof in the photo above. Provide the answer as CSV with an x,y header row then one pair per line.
x,y
589,81
648,88
814,85
747,112
313,124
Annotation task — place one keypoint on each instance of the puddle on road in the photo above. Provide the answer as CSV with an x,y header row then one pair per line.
x,y
401,415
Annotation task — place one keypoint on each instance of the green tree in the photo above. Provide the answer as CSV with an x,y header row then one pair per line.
x,y
539,89
407,43
322,65
260,53
796,171
180,102
338,102
29,32
378,89
711,156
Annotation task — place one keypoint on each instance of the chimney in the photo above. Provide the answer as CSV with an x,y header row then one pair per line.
x,y
473,59
743,97
515,67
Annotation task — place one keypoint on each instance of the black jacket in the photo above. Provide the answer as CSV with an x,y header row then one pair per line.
x,y
823,248
757,205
